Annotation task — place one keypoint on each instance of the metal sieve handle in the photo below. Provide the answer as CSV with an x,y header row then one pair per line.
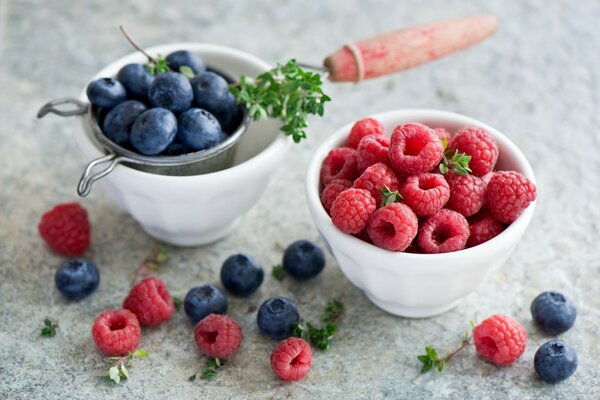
x,y
80,107
88,177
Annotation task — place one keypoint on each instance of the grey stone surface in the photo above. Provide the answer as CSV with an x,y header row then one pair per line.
x,y
537,80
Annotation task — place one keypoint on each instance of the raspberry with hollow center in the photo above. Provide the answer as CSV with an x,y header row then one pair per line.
x,y
415,148
116,332
150,301
340,163
477,143
218,335
393,227
352,209
66,229
443,232
467,193
372,149
376,177
362,128
333,190
425,193
508,194
291,360
500,340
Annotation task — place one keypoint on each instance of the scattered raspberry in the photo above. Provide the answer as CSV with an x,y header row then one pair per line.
x,y
291,359
352,209
443,232
218,336
467,193
340,163
332,191
371,150
362,128
116,332
508,194
425,193
443,133
393,227
66,229
377,176
150,301
415,148
482,148
483,230
500,340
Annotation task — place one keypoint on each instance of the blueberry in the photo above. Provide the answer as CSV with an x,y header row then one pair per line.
x,y
231,114
276,317
242,274
303,260
153,131
136,80
210,92
77,278
118,122
555,361
198,129
176,149
106,92
180,58
553,312
172,91
203,300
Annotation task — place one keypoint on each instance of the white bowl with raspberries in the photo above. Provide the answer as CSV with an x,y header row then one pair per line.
x,y
420,206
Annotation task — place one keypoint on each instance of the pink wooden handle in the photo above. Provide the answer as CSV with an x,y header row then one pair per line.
x,y
406,48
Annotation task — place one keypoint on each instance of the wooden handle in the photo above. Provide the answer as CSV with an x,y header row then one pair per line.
x,y
405,48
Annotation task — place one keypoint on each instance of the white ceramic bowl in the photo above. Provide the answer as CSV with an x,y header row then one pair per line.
x,y
417,285
199,209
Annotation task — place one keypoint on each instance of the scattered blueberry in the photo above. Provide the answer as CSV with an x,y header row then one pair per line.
x,y
210,92
555,361
172,91
242,274
276,317
198,129
231,115
303,260
118,122
153,131
180,58
77,278
106,92
553,312
136,80
203,300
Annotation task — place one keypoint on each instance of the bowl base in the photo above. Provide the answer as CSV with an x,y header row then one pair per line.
x,y
412,312
193,238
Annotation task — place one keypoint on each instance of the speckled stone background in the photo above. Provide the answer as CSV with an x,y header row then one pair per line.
x,y
537,80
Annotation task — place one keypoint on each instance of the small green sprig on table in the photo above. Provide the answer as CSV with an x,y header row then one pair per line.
x,y
49,328
118,371
432,360
278,272
321,337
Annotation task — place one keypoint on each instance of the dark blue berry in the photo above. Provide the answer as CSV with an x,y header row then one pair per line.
x,y
176,149
172,91
153,131
203,300
276,317
553,312
118,122
136,80
77,278
180,58
198,129
555,361
230,116
106,92
303,260
242,274
210,92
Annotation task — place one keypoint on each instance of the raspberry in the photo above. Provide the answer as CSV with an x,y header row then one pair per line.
x,y
425,193
443,133
415,148
443,232
332,191
362,128
218,336
66,229
500,340
150,301
508,194
371,150
377,176
116,332
467,193
352,209
483,230
291,359
482,148
393,227
340,163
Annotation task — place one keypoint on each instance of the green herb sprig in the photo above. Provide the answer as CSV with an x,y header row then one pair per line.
x,y
389,197
155,65
453,160
432,360
49,328
118,371
211,368
321,337
278,272
177,302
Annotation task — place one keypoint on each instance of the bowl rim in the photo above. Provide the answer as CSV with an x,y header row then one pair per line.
x,y
417,114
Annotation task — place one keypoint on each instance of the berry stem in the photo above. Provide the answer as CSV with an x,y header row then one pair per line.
x,y
133,42
465,343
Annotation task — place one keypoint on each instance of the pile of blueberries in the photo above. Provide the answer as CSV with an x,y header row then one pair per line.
x,y
167,114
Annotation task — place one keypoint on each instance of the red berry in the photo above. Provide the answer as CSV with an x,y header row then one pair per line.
x,y
376,177
443,133
371,150
393,227
150,301
508,194
362,128
66,229
291,359
443,232
483,230
116,332
467,193
352,209
425,193
218,336
332,191
415,148
482,148
340,163
500,340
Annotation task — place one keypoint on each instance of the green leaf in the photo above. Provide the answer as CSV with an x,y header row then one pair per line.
x,y
443,169
423,358
388,197
211,368
278,272
427,366
140,353
444,143
113,374
298,329
162,256
187,71
431,352
124,373
177,302
440,366
49,328
334,311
